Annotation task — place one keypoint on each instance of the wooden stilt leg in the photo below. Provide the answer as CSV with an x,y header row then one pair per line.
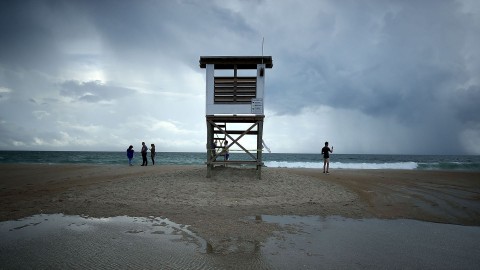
x,y
209,149
259,149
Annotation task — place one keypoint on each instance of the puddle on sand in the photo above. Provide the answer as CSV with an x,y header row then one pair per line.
x,y
314,242
58,241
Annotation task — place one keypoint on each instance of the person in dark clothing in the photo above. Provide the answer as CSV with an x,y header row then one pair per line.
x,y
130,155
225,151
326,156
152,153
144,154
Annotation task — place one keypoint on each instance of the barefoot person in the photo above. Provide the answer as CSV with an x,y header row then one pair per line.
x,y
326,156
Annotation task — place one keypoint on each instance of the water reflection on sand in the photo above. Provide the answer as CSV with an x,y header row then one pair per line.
x,y
341,243
58,241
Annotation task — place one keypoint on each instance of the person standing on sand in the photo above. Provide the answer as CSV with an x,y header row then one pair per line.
x,y
152,153
144,154
326,156
213,149
226,152
130,155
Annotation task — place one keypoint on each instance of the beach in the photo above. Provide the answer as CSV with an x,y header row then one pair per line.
x,y
223,209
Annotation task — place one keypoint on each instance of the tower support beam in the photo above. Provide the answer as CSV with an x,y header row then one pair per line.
x,y
213,122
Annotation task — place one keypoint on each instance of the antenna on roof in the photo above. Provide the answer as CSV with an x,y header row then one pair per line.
x,y
262,69
263,40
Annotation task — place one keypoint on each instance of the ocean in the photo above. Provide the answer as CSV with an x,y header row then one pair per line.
x,y
285,160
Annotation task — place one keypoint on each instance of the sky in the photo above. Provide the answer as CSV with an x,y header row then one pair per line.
x,y
370,77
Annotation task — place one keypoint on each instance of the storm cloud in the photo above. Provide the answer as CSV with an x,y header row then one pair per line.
x,y
399,77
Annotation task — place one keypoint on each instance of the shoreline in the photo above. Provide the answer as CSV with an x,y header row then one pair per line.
x,y
218,208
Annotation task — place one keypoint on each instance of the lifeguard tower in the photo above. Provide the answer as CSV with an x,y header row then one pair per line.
x,y
234,95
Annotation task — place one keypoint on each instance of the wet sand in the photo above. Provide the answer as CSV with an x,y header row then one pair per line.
x,y
307,242
220,209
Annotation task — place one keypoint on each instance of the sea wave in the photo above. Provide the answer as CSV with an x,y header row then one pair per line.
x,y
285,160
468,166
342,165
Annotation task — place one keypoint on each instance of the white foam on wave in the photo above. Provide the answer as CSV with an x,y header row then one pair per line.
x,y
341,165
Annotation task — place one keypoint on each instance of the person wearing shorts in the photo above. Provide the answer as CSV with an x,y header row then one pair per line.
x,y
326,157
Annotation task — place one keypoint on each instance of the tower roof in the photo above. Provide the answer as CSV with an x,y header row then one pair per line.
x,y
242,62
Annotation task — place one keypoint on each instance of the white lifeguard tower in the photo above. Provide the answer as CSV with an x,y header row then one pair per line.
x,y
234,95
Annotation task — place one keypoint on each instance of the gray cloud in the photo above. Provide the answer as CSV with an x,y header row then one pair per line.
x,y
466,104
406,69
92,91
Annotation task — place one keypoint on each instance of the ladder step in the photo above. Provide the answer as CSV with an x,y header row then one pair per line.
x,y
251,132
253,162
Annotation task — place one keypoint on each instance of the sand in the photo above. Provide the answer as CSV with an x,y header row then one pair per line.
x,y
223,209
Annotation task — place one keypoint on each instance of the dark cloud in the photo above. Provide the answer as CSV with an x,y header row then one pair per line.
x,y
466,104
177,31
406,65
29,31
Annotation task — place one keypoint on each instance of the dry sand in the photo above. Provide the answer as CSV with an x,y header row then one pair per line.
x,y
224,210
